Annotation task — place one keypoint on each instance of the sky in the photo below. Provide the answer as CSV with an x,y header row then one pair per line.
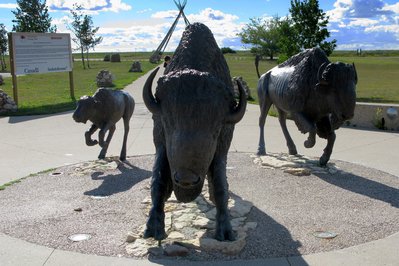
x,y
136,25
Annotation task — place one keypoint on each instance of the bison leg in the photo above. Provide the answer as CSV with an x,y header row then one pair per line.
x,y
161,188
264,109
328,149
88,134
126,120
220,190
105,144
129,103
282,117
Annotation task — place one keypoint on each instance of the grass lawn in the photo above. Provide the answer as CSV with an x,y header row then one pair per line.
x,y
378,75
49,93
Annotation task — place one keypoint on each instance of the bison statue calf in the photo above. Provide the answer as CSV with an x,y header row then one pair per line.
x,y
104,109
194,113
319,96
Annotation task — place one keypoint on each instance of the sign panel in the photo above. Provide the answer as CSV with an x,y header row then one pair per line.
x,y
41,52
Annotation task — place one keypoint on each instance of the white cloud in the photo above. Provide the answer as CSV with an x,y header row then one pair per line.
x,y
10,6
394,8
371,24
172,14
341,7
362,22
144,11
146,35
89,5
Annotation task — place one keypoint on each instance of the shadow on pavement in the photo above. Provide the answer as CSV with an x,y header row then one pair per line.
x,y
363,186
25,118
113,184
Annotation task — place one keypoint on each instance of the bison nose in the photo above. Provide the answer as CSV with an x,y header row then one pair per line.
x,y
186,179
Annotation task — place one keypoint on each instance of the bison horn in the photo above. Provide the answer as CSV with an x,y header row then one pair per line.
x,y
320,79
354,68
148,98
239,111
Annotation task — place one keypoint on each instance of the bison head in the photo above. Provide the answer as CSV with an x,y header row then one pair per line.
x,y
85,109
194,109
337,82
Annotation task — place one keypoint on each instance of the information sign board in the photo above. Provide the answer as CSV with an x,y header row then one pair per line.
x,y
41,52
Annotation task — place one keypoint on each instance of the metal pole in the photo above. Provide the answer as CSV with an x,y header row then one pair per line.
x,y
14,77
71,85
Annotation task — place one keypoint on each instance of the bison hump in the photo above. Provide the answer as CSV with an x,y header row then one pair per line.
x,y
198,50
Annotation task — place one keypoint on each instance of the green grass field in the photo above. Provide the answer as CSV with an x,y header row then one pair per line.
x,y
50,93
378,74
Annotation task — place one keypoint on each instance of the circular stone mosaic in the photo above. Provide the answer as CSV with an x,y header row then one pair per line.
x,y
280,206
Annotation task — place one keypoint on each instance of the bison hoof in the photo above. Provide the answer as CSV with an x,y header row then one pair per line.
x,y
91,142
225,233
155,226
261,152
292,151
309,143
157,234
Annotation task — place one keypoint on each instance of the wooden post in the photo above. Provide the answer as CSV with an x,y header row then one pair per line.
x,y
71,85
12,66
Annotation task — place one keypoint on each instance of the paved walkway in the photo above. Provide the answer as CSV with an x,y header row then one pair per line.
x,y
34,143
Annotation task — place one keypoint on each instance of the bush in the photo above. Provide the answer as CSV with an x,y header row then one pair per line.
x,y
227,50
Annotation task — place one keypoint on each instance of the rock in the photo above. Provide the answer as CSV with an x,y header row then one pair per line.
x,y
250,225
132,236
77,209
7,104
298,171
115,58
202,222
276,162
175,235
226,247
139,248
136,67
241,209
175,251
104,79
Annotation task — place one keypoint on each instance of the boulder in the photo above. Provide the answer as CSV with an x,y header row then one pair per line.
x,y
115,58
136,67
104,79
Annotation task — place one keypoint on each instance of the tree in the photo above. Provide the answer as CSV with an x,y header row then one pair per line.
x,y
82,28
310,24
288,42
3,46
32,16
263,35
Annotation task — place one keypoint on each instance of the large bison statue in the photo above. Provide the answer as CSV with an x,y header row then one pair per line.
x,y
104,109
319,96
194,113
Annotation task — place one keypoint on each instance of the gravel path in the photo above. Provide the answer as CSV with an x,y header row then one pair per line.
x,y
359,204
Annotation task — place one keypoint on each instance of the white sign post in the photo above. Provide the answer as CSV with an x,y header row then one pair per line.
x,y
34,53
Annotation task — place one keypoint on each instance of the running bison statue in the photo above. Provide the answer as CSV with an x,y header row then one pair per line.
x,y
194,113
104,109
319,96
